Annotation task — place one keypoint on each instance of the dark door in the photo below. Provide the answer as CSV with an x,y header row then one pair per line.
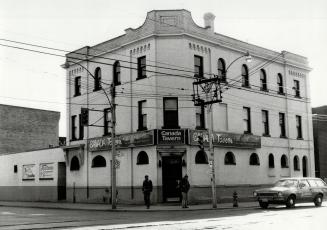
x,y
171,175
61,181
304,166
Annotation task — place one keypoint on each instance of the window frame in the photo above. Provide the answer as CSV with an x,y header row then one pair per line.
x,y
201,116
102,164
168,113
77,86
97,79
247,120
80,127
265,116
296,163
201,159
263,80
299,131
251,160
198,69
282,125
73,127
271,161
142,116
116,73
296,88
229,156
284,162
72,165
222,69
141,67
280,84
245,76
145,158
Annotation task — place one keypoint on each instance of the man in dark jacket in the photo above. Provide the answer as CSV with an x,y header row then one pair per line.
x,y
185,187
147,189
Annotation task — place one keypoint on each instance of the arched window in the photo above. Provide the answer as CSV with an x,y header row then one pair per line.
x,y
142,158
280,84
201,157
296,163
245,76
222,69
97,79
271,161
74,164
284,161
99,161
230,159
263,80
116,73
254,159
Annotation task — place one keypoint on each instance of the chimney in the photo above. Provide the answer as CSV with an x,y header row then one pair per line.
x,y
209,21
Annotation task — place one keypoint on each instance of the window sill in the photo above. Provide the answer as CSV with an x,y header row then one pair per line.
x,y
94,90
284,167
264,90
246,86
281,93
230,164
76,95
298,170
266,135
255,165
200,128
106,134
299,97
283,136
247,132
139,78
299,138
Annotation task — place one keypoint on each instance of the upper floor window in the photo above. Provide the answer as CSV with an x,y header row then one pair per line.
x,y
245,76
263,80
222,69
299,126
99,161
77,84
74,164
142,116
73,128
170,112
254,159
141,67
116,73
81,127
284,161
247,119
97,79
282,124
200,117
107,121
142,158
230,159
280,84
198,66
271,161
296,163
201,157
265,122
296,88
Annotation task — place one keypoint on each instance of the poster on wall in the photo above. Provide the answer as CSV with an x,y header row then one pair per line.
x,y
46,171
29,172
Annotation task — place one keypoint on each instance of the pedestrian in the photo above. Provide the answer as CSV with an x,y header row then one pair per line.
x,y
185,187
147,189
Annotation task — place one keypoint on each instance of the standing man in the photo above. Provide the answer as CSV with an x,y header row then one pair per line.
x,y
185,187
147,189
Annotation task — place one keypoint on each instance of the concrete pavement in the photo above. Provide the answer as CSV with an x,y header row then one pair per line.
x,y
124,207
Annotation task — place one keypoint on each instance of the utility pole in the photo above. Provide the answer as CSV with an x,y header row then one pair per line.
x,y
113,145
212,90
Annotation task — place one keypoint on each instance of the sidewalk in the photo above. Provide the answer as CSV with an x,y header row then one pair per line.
x,y
124,208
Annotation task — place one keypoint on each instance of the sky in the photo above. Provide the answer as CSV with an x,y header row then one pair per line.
x,y
37,80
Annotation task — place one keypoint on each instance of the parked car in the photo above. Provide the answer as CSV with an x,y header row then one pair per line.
x,y
292,190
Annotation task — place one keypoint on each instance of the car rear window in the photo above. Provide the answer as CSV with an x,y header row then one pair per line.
x,y
316,183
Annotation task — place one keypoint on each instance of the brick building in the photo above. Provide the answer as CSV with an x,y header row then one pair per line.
x,y
319,118
261,128
25,129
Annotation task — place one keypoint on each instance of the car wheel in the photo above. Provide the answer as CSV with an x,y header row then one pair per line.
x,y
263,205
318,200
290,202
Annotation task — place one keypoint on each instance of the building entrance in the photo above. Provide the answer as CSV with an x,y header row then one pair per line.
x,y
171,175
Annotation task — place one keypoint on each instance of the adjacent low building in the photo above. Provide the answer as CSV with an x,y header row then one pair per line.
x,y
262,129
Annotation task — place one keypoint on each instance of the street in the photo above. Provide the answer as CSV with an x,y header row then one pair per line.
x,y
304,216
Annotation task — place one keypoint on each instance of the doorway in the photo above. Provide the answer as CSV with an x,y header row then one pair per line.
x,y
305,166
171,175
61,181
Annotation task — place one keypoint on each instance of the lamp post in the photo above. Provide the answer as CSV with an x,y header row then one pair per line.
x,y
210,98
113,130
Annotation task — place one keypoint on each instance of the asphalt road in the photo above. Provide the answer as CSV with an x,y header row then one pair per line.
x,y
301,217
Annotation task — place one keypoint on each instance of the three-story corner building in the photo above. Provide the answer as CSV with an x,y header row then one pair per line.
x,y
262,129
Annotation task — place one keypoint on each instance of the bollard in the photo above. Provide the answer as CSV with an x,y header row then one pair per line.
x,y
235,199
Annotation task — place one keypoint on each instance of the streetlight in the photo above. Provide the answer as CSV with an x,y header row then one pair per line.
x,y
113,130
207,88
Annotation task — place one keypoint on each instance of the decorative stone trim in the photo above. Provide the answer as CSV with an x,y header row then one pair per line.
x,y
140,49
199,48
